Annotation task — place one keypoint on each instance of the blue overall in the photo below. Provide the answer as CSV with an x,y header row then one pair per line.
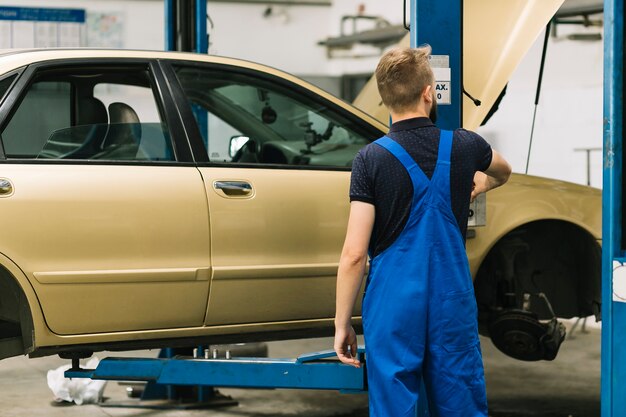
x,y
419,308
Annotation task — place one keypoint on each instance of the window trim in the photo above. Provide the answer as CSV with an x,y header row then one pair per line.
x,y
8,107
15,73
188,128
196,137
160,91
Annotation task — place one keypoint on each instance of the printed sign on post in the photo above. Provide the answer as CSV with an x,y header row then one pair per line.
x,y
441,69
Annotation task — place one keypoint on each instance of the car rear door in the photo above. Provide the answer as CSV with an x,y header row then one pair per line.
x,y
107,215
277,186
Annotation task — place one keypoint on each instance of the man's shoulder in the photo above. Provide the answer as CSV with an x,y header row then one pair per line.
x,y
466,135
464,139
371,150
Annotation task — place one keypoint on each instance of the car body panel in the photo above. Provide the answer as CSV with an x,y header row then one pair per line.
x,y
121,251
276,252
526,199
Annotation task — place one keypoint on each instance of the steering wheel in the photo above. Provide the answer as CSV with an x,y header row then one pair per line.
x,y
247,153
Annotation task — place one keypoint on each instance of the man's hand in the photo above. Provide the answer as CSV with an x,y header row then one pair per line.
x,y
497,174
346,346
481,185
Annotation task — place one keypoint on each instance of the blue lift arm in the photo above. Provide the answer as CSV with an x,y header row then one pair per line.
x,y
311,371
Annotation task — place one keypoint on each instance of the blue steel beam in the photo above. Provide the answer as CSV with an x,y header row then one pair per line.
x,y
440,24
313,371
197,26
202,46
613,379
170,32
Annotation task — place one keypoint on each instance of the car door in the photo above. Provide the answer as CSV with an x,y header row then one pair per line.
x,y
277,188
108,215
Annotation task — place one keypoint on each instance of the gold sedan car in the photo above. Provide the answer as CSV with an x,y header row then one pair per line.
x,y
155,199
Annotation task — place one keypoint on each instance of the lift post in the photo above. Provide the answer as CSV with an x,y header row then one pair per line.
x,y
185,26
613,379
440,25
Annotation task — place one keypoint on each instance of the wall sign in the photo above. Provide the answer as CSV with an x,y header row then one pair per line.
x,y
27,27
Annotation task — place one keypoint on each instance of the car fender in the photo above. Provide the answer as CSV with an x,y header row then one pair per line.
x,y
580,209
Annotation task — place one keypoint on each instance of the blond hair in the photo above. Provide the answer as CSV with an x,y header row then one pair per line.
x,y
401,75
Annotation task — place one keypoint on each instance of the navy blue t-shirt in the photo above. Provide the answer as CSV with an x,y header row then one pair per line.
x,y
380,179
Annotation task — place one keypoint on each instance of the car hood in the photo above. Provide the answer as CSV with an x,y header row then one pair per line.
x,y
523,180
496,36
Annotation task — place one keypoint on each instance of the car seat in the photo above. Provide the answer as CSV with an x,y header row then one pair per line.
x,y
82,140
91,112
124,134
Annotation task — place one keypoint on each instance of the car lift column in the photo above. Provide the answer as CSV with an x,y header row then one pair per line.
x,y
613,384
185,26
440,24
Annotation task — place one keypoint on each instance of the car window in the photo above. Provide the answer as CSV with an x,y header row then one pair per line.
x,y
90,113
5,84
248,119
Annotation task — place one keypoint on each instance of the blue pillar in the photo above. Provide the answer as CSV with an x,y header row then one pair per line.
x,y
170,33
613,244
440,24
201,39
186,19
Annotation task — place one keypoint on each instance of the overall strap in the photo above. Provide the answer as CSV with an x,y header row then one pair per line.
x,y
445,146
441,176
416,174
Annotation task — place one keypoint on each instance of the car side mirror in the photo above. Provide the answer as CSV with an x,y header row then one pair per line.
x,y
236,143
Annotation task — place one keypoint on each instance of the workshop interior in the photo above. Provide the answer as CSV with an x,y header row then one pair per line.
x,y
174,196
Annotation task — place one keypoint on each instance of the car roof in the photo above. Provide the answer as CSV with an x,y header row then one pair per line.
x,y
12,59
9,58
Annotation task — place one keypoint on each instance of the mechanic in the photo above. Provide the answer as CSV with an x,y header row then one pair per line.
x,y
410,193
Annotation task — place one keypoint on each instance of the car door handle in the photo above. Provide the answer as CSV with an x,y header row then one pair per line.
x,y
234,188
6,188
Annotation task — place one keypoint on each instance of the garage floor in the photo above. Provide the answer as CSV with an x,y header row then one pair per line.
x,y
569,386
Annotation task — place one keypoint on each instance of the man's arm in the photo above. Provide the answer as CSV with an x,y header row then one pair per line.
x,y
350,277
496,175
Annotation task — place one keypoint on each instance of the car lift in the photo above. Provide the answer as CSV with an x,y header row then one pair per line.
x,y
435,23
613,375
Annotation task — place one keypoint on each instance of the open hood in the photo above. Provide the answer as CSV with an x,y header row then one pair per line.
x,y
496,36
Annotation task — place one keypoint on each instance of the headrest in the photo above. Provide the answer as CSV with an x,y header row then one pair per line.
x,y
122,113
91,111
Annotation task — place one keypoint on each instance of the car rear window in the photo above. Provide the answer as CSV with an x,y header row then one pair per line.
x,y
89,113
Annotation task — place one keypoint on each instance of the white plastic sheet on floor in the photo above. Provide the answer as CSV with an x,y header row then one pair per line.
x,y
77,390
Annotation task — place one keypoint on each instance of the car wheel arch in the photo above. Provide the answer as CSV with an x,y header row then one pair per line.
x,y
21,308
555,256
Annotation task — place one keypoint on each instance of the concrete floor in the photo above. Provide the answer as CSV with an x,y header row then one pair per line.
x,y
569,386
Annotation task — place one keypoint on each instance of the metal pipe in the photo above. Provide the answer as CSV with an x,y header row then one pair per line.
x,y
538,93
